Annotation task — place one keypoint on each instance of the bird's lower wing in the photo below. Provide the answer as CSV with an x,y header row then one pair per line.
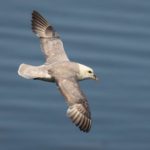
x,y
78,109
51,44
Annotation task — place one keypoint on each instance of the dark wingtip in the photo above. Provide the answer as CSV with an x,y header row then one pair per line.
x,y
38,23
82,121
35,13
41,27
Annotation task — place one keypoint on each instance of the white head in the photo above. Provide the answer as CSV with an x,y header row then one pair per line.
x,y
86,72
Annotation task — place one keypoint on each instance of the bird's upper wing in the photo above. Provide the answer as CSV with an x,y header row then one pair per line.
x,y
78,109
51,44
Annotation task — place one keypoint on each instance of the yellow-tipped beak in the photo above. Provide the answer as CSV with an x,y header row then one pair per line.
x,y
94,77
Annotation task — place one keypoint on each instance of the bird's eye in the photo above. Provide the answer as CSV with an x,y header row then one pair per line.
x,y
89,71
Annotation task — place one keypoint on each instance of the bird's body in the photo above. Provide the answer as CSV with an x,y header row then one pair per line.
x,y
59,69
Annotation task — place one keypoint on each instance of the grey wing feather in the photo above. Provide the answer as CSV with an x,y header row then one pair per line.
x,y
51,44
78,110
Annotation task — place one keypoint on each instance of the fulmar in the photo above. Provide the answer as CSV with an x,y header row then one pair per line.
x,y
60,70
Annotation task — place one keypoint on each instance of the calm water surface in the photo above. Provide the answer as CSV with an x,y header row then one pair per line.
x,y
111,36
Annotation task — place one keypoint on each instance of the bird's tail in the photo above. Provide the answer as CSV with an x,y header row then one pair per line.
x,y
33,72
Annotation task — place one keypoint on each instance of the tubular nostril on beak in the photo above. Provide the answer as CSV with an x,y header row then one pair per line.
x,y
94,77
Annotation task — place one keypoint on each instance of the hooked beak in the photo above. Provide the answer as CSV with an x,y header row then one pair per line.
x,y
94,77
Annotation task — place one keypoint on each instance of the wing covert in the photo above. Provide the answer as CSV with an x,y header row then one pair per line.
x,y
51,44
78,109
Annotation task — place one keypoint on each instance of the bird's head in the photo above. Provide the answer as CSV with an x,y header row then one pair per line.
x,y
86,72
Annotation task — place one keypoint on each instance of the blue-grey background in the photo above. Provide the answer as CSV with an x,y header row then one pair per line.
x,y
111,36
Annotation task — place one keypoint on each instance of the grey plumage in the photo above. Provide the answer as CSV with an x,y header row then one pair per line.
x,y
59,69
78,109
51,44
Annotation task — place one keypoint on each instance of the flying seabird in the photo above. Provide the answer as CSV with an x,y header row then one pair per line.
x,y
59,69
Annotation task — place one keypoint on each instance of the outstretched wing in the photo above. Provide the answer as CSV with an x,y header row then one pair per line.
x,y
78,109
51,43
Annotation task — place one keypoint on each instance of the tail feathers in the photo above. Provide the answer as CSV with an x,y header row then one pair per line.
x,y
33,72
41,27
